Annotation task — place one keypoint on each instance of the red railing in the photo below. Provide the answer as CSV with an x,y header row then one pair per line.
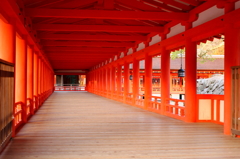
x,y
70,88
129,98
121,96
139,101
28,107
18,114
211,108
115,95
155,104
175,108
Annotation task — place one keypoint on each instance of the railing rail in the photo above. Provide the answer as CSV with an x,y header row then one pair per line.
x,y
155,103
18,114
175,108
70,88
129,98
139,101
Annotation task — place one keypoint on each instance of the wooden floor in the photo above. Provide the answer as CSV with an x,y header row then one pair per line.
x,y
80,125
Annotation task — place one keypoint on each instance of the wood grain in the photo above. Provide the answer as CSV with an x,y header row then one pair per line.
x,y
80,125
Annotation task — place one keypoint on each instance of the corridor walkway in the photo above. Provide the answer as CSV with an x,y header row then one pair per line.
x,y
80,125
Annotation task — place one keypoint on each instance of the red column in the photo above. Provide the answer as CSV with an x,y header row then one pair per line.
x,y
232,58
35,63
7,40
165,77
119,80
21,75
135,80
148,80
113,80
126,81
191,77
30,77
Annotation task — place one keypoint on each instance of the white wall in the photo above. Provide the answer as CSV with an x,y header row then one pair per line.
x,y
208,15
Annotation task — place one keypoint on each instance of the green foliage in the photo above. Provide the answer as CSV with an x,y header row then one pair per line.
x,y
204,51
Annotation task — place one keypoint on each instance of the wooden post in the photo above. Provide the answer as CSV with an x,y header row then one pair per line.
x,y
135,80
165,78
191,78
119,78
36,79
232,58
21,74
126,81
30,77
148,80
113,81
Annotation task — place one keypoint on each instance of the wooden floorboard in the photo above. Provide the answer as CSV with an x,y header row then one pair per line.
x,y
80,125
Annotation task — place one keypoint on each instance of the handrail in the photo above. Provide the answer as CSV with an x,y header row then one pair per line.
x,y
70,88
129,98
140,100
28,107
18,110
175,108
155,103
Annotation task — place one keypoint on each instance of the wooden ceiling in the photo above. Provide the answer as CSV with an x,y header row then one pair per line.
x,y
79,34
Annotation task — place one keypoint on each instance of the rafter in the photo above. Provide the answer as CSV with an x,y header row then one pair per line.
x,y
104,14
83,43
53,48
91,37
104,28
191,2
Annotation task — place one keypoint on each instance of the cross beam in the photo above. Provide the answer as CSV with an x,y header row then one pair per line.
x,y
105,14
83,43
104,28
53,48
92,37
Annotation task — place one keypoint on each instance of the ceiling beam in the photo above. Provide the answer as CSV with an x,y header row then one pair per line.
x,y
104,28
78,53
53,48
91,37
83,43
105,14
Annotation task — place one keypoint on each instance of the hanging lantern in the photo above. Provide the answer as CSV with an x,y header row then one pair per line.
x,y
131,77
181,72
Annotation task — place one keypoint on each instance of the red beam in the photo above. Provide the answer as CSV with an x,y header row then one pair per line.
x,y
104,28
53,48
106,14
83,43
91,37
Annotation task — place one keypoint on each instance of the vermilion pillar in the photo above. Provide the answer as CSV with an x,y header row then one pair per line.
x,y
135,80
35,92
21,75
7,40
119,79
148,80
191,78
232,58
126,80
113,80
165,77
30,77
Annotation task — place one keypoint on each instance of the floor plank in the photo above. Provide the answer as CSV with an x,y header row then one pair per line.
x,y
80,125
